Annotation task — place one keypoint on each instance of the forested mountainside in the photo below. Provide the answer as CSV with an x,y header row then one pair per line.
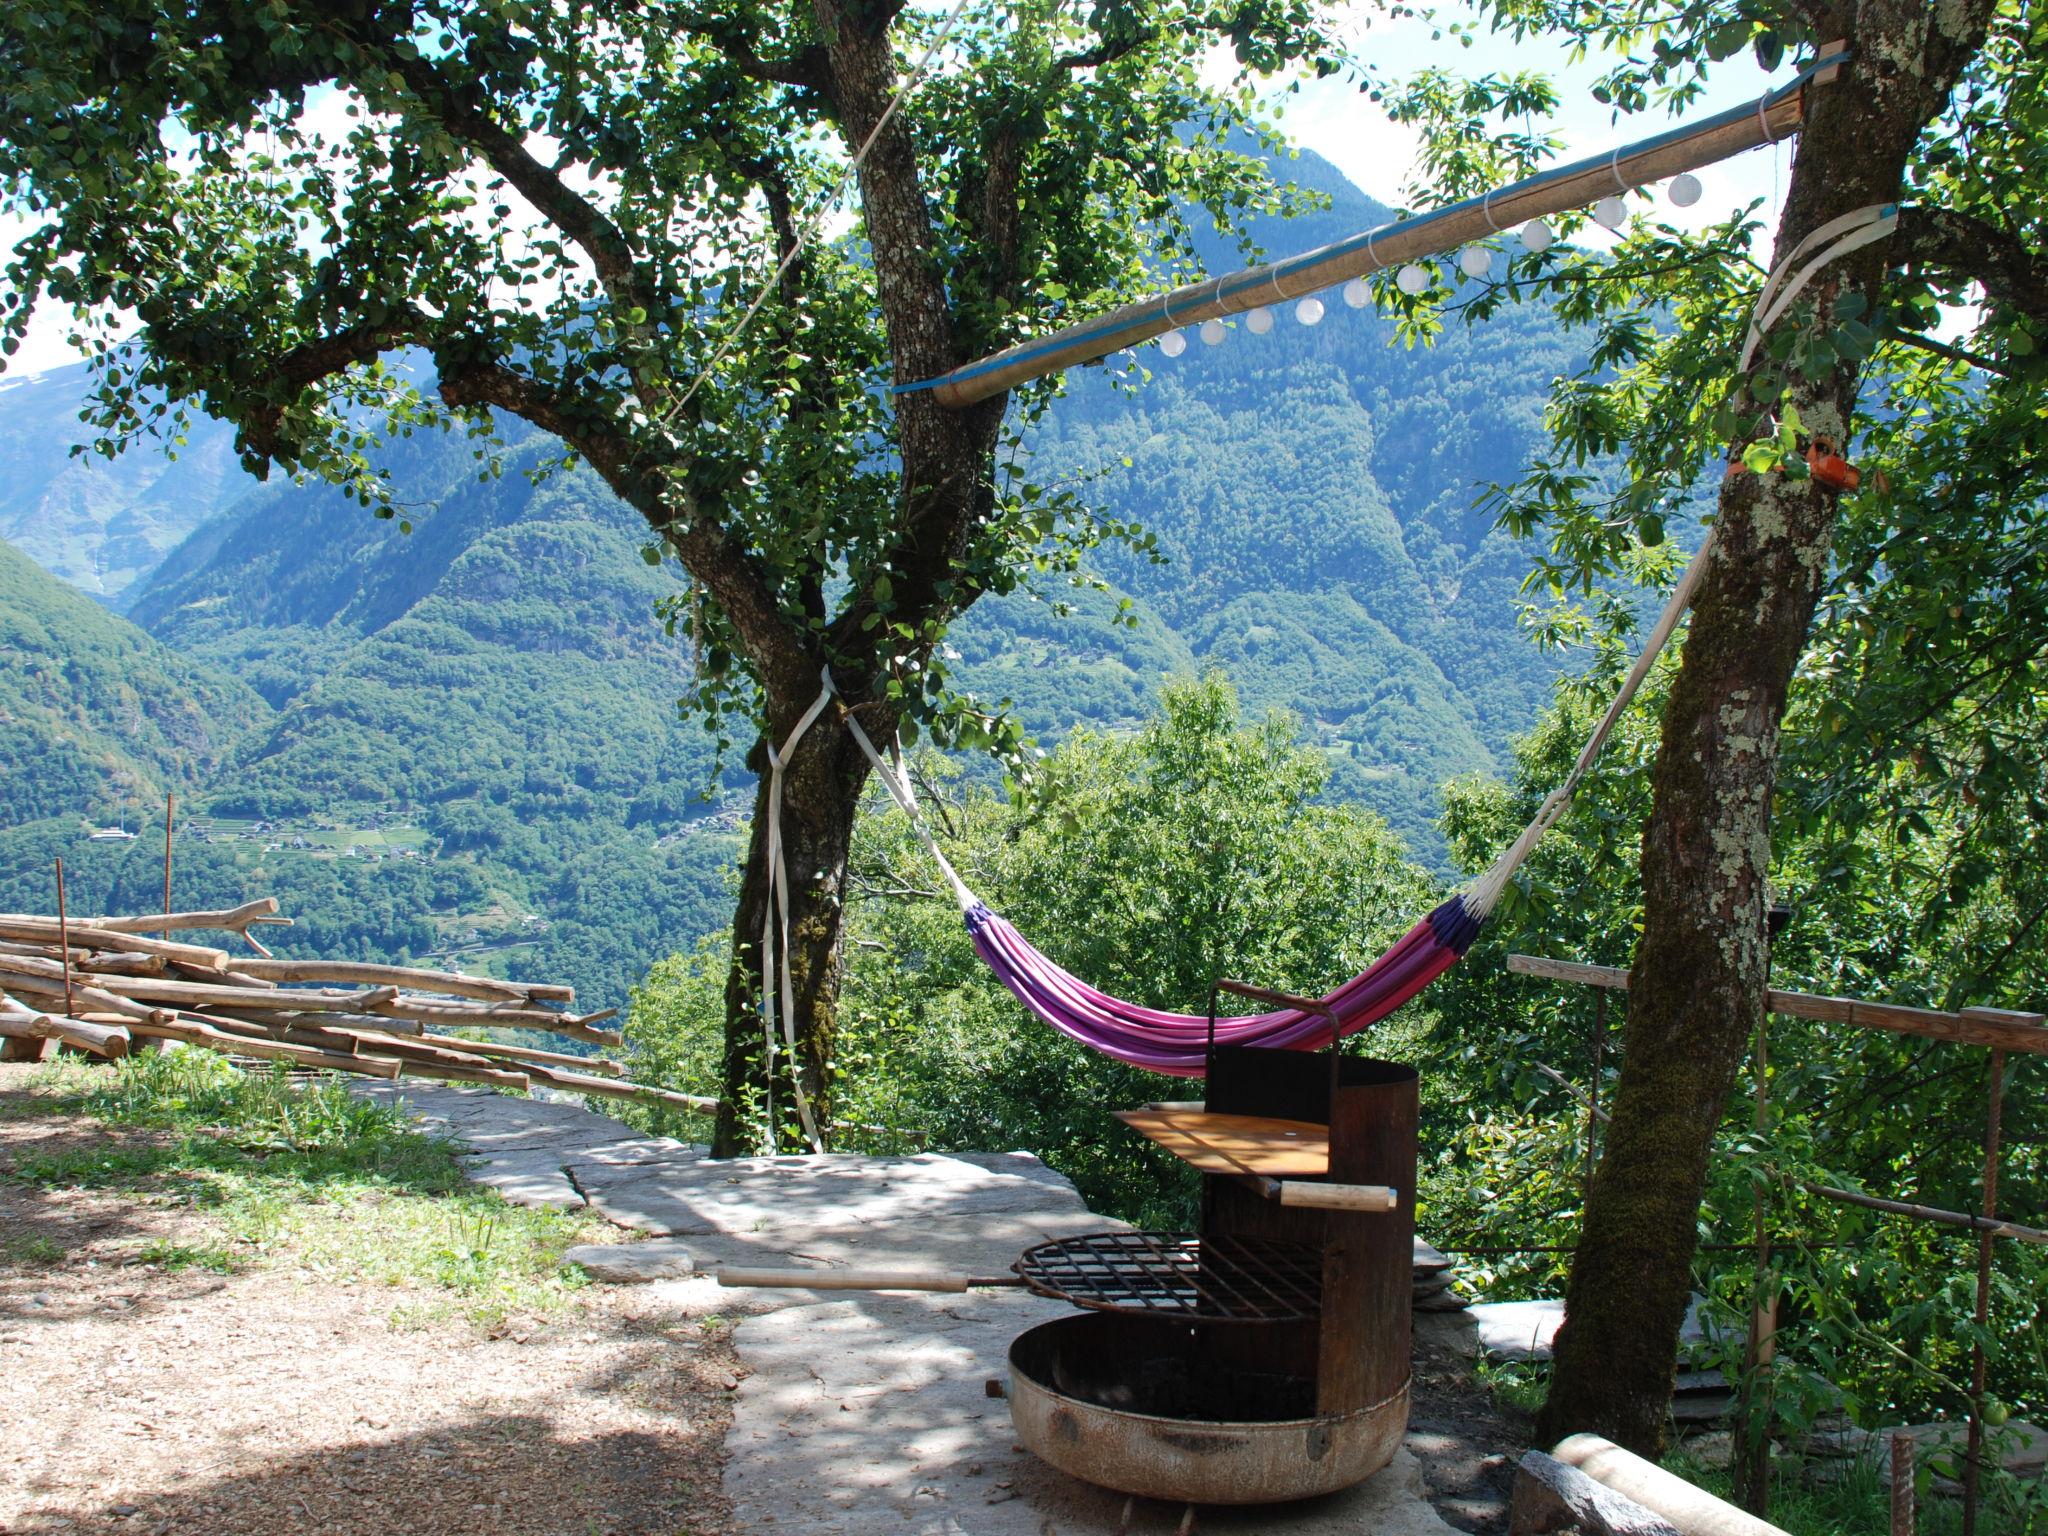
x,y
485,708
102,524
96,718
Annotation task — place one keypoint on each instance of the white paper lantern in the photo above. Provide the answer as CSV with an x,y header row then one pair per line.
x,y
1608,213
1536,235
1259,321
1356,293
1685,190
1173,343
1411,280
1309,311
1212,332
1476,261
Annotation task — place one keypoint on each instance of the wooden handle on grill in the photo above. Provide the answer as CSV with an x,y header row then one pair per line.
x,y
1309,1194
855,1279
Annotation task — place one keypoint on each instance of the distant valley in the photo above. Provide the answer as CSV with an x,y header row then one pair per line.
x,y
465,742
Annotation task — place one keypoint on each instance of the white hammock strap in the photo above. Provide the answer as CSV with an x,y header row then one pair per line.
x,y
1827,244
897,782
775,972
1487,888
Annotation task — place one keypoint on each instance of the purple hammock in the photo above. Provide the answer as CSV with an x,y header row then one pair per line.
x,y
1175,1043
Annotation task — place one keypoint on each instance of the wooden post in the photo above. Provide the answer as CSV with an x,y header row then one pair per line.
x,y
170,818
64,939
1973,1464
1902,1484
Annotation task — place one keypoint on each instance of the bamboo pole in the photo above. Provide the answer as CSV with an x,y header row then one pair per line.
x,y
1687,148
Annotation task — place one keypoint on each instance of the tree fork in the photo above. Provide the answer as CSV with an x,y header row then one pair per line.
x,y
1696,988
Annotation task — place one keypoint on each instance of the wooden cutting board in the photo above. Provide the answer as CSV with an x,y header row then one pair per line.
x,y
1235,1143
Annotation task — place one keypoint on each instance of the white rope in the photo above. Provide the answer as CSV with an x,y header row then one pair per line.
x,y
1850,232
851,168
1487,888
1830,242
897,783
775,973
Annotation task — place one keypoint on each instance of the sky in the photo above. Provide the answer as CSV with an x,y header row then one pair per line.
x,y
1335,120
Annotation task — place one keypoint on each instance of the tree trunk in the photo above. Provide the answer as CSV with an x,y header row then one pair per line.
x,y
821,789
1696,989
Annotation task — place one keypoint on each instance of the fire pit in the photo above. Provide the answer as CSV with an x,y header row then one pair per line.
x,y
1264,1357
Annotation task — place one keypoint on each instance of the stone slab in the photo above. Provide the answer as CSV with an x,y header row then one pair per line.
x,y
1527,1330
660,1258
870,1417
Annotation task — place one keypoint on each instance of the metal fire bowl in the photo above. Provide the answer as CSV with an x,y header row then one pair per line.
x,y
1080,1388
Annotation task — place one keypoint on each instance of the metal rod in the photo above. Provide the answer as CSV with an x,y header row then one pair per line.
x,y
64,939
1973,1464
1754,1452
1593,1090
170,819
1688,147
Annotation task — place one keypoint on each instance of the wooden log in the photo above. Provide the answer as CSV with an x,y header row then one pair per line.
x,y
270,1016
449,1072
1694,1511
84,999
47,931
241,978
198,994
597,1064
454,983
607,1088
130,963
1998,1028
213,1038
1550,1496
109,1040
1689,148
525,1018
233,919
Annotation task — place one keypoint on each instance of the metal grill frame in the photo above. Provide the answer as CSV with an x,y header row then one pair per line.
x,y
1179,1275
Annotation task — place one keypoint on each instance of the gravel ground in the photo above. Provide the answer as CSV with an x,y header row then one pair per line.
x,y
139,1400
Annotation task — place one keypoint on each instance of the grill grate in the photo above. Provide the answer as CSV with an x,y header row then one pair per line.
x,y
1179,1274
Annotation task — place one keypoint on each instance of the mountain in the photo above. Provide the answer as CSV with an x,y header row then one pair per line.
x,y
467,742
98,720
102,523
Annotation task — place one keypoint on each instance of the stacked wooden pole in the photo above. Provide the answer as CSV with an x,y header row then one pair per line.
x,y
102,984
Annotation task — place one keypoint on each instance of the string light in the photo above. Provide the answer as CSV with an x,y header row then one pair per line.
x,y
1356,293
1608,213
1309,311
1685,190
1259,321
1411,280
1536,235
1173,343
1212,332
1476,261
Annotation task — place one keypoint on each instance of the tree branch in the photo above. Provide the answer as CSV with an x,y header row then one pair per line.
x,y
807,69
2014,277
464,115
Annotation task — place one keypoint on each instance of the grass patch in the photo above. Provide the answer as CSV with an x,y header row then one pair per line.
x,y
311,1176
36,1251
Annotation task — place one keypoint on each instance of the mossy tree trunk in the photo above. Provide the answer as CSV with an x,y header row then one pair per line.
x,y
1696,988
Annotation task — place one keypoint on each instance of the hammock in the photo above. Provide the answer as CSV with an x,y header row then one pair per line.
x,y
1176,1043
